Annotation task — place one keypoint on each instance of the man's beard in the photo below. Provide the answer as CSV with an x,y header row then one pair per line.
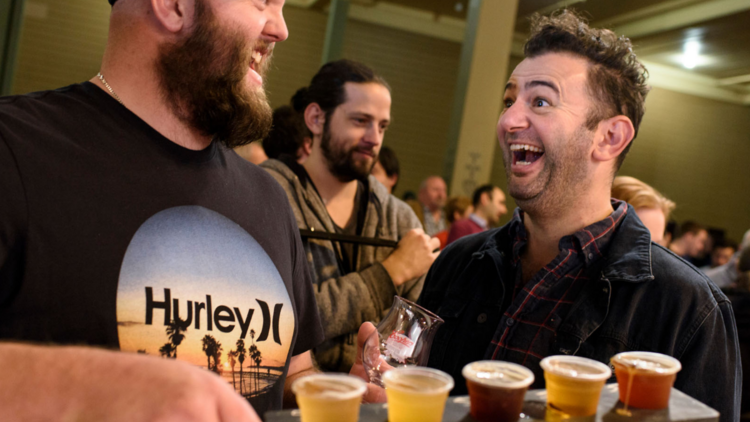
x,y
203,80
341,162
563,178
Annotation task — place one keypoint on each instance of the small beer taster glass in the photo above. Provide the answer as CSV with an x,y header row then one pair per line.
x,y
416,394
645,379
496,389
574,384
329,397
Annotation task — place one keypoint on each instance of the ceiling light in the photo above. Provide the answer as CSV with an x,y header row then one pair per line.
x,y
691,56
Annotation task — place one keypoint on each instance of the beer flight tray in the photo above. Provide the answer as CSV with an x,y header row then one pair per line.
x,y
681,408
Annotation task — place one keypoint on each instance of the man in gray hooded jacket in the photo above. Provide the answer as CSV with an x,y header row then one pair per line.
x,y
347,110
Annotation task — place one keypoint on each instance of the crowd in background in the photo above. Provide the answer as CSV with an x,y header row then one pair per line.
x,y
448,218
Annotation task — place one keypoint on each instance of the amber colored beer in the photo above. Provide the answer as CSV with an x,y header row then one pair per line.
x,y
645,379
416,394
496,390
329,397
574,384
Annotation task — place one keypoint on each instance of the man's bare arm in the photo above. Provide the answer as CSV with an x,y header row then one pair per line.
x,y
299,366
88,384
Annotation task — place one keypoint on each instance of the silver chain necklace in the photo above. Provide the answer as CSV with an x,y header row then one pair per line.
x,y
109,88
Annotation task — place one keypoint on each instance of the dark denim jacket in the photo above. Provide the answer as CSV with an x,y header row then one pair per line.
x,y
640,297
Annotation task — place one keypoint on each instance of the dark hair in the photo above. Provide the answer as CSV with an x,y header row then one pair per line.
x,y
616,81
476,198
287,133
327,86
726,242
690,226
387,159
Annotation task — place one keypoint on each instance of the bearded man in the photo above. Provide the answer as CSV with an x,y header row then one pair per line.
x,y
127,222
575,272
347,108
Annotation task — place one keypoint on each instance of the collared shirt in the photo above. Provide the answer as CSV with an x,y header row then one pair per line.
x,y
528,328
481,222
432,227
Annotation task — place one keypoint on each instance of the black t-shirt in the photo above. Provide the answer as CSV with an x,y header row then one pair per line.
x,y
353,227
111,235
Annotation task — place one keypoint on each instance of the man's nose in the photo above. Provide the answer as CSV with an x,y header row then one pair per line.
x,y
513,119
275,29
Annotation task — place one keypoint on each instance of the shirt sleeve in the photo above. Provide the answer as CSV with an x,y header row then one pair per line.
x,y
13,218
310,332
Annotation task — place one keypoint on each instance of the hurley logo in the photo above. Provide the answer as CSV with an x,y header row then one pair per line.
x,y
223,317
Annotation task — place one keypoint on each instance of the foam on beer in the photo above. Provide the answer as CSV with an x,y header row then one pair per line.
x,y
575,367
498,374
328,387
417,380
648,362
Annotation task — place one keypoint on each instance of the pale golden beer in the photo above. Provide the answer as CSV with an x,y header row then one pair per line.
x,y
329,397
416,394
574,384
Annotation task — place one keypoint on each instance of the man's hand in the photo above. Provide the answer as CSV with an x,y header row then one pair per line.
x,y
374,393
413,256
86,384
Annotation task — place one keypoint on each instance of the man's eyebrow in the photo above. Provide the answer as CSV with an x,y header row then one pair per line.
x,y
510,85
366,115
534,83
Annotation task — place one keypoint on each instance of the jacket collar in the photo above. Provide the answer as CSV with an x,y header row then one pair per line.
x,y
627,259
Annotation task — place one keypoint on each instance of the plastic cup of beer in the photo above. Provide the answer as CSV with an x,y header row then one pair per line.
x,y
645,379
329,397
574,384
496,389
416,394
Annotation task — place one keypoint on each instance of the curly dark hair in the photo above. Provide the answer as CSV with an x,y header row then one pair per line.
x,y
617,80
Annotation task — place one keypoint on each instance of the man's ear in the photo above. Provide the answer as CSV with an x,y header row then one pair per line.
x,y
485,198
315,118
613,136
171,14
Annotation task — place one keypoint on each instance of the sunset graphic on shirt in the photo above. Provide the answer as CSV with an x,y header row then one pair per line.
x,y
197,287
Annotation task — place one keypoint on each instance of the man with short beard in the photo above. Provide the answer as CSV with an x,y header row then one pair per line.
x,y
127,222
347,109
574,272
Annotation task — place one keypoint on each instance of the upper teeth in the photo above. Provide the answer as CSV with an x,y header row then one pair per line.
x,y
519,147
257,57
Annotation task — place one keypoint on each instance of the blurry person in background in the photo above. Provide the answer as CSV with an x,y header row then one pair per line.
x,y
288,135
722,252
489,207
457,208
386,169
348,111
650,206
691,241
252,152
431,198
669,233
727,275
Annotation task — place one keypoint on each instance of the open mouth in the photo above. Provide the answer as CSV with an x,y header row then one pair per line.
x,y
256,60
524,154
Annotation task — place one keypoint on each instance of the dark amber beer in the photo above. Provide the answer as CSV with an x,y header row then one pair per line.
x,y
496,389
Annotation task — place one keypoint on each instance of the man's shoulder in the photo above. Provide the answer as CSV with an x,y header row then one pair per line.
x,y
458,254
675,275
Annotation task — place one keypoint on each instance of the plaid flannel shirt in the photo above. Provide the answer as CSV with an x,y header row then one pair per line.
x,y
528,328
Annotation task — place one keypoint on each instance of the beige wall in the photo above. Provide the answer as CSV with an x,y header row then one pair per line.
x,y
62,42
697,152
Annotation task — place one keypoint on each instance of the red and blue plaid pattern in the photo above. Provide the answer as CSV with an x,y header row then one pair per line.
x,y
527,330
